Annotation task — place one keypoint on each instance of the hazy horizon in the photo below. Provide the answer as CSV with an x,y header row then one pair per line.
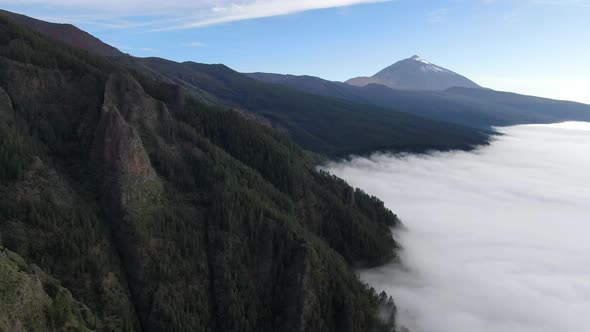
x,y
497,237
530,47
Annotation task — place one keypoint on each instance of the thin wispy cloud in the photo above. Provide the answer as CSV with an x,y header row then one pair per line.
x,y
576,3
438,15
194,44
140,49
177,14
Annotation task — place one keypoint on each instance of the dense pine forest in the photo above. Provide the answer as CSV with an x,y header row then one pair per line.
x,y
127,204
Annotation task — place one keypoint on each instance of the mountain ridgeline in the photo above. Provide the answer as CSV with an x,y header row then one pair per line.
x,y
67,33
129,204
329,126
477,108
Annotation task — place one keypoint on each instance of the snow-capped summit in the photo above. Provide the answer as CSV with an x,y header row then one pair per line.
x,y
415,73
419,59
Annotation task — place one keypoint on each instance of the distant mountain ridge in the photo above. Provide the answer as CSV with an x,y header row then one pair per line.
x,y
415,73
318,123
477,108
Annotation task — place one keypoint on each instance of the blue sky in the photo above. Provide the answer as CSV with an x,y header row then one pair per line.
x,y
538,47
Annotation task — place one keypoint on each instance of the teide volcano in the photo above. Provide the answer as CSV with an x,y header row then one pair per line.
x,y
415,73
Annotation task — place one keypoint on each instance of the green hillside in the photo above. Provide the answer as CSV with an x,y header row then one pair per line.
x,y
164,213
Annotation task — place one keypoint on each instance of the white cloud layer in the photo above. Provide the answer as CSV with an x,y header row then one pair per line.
x,y
182,14
497,239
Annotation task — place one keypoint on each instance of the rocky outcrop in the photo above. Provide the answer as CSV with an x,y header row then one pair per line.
x,y
117,145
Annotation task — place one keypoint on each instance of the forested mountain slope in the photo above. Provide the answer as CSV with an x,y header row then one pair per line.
x,y
326,125
160,212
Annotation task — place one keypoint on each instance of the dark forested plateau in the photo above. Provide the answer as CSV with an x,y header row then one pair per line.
x,y
129,202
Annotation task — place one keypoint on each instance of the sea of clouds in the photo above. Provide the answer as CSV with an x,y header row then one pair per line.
x,y
497,239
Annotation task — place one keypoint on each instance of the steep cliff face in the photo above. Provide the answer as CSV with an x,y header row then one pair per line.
x,y
118,149
117,145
